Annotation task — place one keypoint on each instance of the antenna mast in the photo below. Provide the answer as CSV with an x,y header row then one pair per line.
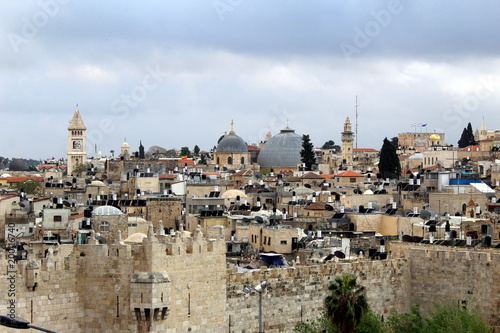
x,y
356,136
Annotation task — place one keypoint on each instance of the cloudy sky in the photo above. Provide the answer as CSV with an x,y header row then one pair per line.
x,y
174,73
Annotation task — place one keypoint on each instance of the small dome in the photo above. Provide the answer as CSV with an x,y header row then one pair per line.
x,y
106,210
232,143
132,219
282,150
17,164
435,137
125,145
97,183
135,238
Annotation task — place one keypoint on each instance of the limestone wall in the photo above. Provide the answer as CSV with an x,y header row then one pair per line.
x,y
466,276
297,294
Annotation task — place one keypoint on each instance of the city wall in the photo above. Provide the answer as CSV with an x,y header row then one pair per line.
x,y
181,284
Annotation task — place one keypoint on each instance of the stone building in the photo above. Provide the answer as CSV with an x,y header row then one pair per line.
x,y
77,142
347,144
418,141
232,152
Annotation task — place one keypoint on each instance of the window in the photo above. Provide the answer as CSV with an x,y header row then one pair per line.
x,y
230,160
57,218
268,240
104,226
352,180
283,242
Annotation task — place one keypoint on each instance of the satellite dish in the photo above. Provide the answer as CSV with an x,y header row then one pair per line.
x,y
339,254
355,208
68,183
88,181
22,204
66,203
109,181
375,207
425,214
372,187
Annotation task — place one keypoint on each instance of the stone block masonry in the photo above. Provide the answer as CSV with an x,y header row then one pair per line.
x,y
181,284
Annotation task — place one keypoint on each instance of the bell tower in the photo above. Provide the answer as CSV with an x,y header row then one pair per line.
x,y
77,142
347,141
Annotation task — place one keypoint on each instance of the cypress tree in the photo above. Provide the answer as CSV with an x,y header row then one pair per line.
x,y
308,157
389,165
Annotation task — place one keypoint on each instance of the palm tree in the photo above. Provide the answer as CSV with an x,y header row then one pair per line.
x,y
346,304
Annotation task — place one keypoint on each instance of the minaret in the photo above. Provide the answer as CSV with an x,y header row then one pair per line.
x,y
347,141
77,142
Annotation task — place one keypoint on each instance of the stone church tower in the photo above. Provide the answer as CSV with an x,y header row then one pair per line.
x,y
77,142
347,141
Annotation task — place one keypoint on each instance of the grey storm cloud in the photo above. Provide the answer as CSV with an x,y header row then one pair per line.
x,y
262,63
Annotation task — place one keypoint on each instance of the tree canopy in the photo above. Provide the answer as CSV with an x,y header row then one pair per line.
x,y
389,165
308,157
346,304
330,144
29,187
467,137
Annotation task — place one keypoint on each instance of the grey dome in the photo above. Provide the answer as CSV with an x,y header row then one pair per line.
x,y
282,150
17,164
232,143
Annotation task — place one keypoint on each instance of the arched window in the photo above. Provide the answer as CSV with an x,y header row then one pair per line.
x,y
230,160
218,160
104,226
242,160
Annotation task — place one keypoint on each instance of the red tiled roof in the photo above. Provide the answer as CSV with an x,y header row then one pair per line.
x,y
76,216
471,148
23,179
329,176
349,173
311,175
166,176
365,150
253,148
8,197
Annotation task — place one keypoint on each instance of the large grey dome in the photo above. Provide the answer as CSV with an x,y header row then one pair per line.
x,y
232,143
17,164
282,150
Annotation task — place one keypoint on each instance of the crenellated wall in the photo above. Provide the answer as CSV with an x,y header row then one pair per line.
x,y
181,284
296,294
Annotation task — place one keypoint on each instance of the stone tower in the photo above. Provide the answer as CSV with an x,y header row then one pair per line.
x,y
125,150
347,141
77,150
483,132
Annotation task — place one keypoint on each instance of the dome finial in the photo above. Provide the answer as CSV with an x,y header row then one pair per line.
x,y
232,125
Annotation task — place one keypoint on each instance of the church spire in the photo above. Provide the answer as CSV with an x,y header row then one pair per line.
x,y
77,122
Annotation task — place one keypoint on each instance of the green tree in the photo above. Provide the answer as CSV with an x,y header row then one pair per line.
x,y
395,142
467,137
346,304
328,145
141,151
389,165
29,187
204,157
196,150
451,318
410,322
185,152
308,157
81,168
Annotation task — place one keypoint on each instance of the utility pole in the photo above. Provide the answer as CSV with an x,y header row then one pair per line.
x,y
356,136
